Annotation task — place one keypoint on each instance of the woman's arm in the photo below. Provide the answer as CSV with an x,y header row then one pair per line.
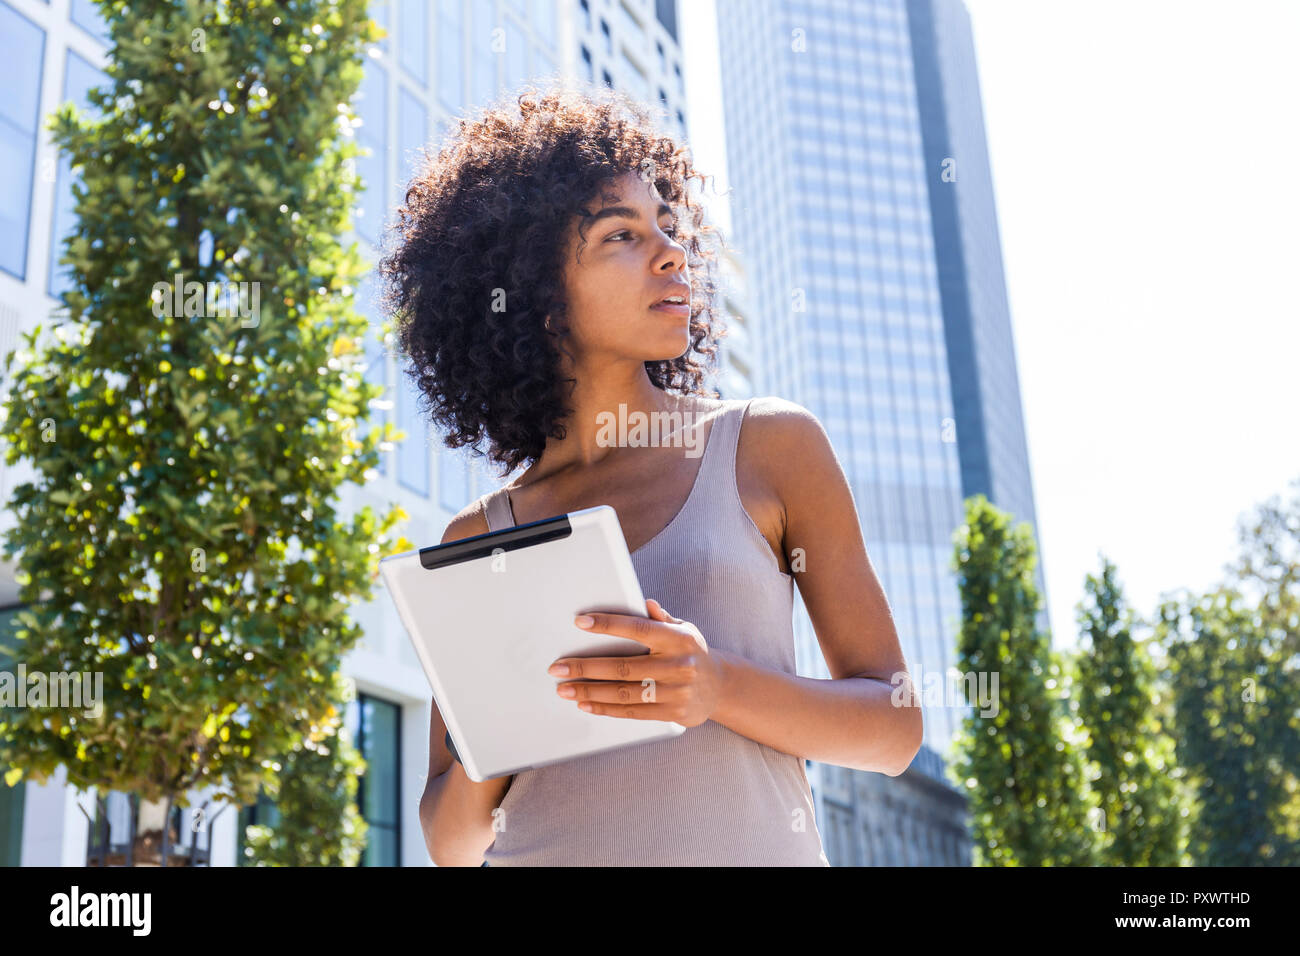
x,y
851,720
456,812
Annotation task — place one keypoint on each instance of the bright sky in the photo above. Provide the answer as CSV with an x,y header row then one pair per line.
x,y
1143,157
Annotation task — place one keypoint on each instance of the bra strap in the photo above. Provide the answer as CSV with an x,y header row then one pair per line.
x,y
497,506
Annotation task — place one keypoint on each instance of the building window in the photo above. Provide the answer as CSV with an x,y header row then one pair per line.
x,y
663,60
609,40
586,14
379,13
11,798
630,23
85,14
666,13
413,452
483,57
78,78
376,372
262,813
372,108
453,480
451,80
377,733
516,56
11,822
609,80
544,21
587,66
412,134
543,65
413,39
635,79
22,45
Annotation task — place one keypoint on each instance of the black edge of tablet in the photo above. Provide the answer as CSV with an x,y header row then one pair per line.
x,y
507,539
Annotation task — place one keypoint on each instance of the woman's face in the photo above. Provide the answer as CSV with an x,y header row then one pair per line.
x,y
630,262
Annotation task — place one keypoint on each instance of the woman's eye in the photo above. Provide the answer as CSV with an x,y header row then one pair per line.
x,y
671,231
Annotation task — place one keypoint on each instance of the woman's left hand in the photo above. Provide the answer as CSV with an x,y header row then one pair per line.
x,y
680,679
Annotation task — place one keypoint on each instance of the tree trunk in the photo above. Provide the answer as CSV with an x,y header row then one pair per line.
x,y
149,841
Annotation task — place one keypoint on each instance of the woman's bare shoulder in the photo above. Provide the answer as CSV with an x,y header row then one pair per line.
x,y
779,420
777,432
471,520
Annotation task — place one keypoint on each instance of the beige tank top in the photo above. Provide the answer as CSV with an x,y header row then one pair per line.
x,y
708,797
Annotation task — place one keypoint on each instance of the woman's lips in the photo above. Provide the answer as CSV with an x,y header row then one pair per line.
x,y
679,311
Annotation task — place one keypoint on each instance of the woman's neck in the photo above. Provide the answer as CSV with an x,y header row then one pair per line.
x,y
597,405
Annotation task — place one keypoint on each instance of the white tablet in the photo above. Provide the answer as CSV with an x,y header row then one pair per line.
x,y
489,614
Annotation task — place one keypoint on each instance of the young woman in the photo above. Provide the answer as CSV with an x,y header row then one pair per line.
x,y
536,253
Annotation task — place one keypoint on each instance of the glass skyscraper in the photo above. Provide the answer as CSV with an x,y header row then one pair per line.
x,y
888,321
968,253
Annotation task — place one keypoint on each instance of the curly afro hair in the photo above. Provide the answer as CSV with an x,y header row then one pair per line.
x,y
487,220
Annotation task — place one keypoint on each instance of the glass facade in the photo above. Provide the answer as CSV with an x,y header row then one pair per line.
x,y
372,137
85,14
379,13
22,46
453,479
78,79
375,726
413,452
413,39
377,372
850,323
11,798
483,55
451,59
981,351
634,79
262,813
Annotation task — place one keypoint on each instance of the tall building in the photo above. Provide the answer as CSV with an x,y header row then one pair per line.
x,y
440,60
879,303
737,359
968,253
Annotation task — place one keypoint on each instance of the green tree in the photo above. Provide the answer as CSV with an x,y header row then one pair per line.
x,y
181,535
1269,570
1235,707
316,796
1233,655
1132,763
1020,766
